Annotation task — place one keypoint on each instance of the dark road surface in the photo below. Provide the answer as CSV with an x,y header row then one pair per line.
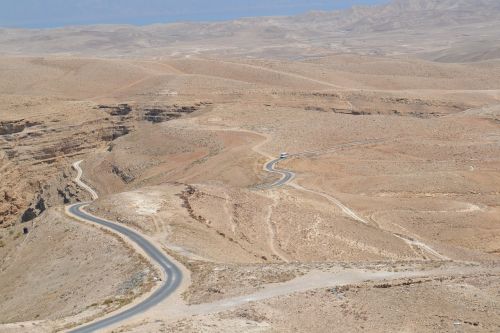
x,y
173,273
286,175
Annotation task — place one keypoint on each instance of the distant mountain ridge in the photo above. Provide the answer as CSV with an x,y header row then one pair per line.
x,y
410,13
443,30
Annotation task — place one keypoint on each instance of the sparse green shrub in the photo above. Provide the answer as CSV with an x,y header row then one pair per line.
x,y
108,301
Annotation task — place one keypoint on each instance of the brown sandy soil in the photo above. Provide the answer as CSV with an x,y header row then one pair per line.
x,y
424,305
166,213
391,304
437,189
40,276
359,308
225,282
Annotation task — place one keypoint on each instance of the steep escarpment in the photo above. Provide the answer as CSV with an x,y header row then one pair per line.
x,y
37,153
35,165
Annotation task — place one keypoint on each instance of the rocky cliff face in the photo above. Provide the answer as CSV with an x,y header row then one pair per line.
x,y
37,155
16,126
36,163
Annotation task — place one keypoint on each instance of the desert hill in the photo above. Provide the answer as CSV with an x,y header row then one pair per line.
x,y
448,31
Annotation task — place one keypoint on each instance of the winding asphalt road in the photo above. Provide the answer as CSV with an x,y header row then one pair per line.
x,y
172,272
286,175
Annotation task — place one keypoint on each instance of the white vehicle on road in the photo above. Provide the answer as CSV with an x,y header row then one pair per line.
x,y
284,155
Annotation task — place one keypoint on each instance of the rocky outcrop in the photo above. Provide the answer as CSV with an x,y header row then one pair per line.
x,y
159,115
126,177
34,210
119,110
154,114
114,132
16,126
10,207
186,195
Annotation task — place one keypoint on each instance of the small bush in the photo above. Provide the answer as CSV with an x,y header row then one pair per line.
x,y
107,302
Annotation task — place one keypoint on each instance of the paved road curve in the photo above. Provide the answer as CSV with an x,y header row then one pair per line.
x,y
286,175
172,272
79,182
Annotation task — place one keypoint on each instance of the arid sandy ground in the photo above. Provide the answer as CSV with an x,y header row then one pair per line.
x,y
50,275
392,221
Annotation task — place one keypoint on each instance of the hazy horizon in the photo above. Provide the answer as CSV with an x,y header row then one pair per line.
x,y
59,13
